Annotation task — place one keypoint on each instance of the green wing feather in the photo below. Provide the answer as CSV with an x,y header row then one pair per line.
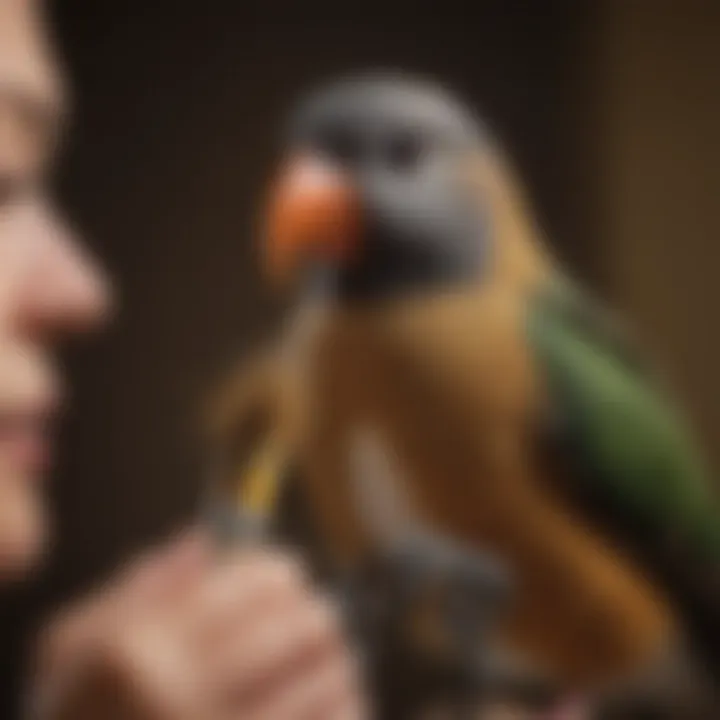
x,y
633,462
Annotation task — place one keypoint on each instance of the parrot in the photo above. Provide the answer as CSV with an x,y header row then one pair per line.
x,y
427,305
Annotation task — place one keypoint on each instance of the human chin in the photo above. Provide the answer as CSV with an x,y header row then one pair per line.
x,y
24,523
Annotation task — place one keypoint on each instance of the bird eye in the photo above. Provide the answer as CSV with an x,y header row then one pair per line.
x,y
405,151
340,146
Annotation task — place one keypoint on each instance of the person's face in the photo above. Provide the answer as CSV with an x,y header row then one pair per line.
x,y
48,286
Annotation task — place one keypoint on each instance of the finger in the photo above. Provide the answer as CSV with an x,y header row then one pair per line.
x,y
317,692
277,647
65,639
351,700
76,630
351,709
239,592
168,573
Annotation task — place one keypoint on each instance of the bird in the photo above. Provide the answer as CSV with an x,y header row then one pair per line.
x,y
426,304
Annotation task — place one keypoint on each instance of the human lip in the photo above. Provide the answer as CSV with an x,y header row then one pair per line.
x,y
26,436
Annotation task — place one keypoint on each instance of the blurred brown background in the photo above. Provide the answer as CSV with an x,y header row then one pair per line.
x,y
610,109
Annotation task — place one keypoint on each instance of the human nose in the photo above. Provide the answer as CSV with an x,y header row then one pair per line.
x,y
64,288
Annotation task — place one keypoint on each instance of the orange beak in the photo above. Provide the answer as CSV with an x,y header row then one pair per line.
x,y
313,215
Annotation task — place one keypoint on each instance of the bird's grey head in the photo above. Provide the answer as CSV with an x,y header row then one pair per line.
x,y
375,194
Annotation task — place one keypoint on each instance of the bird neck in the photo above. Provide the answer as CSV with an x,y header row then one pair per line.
x,y
520,255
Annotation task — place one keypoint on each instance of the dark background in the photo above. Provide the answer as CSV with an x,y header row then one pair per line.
x,y
176,106
176,111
